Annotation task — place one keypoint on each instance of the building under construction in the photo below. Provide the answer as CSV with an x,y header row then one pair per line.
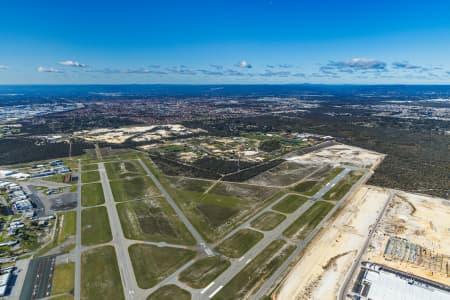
x,y
428,259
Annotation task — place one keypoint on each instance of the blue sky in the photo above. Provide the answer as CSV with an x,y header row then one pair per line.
x,y
198,42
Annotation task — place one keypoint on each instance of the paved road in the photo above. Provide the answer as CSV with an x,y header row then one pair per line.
x,y
38,281
77,250
20,272
197,293
50,184
344,287
40,209
238,264
331,184
200,241
131,290
299,247
266,209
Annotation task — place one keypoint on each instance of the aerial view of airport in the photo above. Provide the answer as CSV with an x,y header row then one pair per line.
x,y
232,202
224,150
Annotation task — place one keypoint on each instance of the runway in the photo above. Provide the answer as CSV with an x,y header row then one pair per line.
x,y
38,281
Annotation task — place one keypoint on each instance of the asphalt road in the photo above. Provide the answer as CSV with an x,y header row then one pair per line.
x,y
40,208
50,184
20,273
264,289
344,287
238,264
200,241
129,283
38,281
266,209
132,291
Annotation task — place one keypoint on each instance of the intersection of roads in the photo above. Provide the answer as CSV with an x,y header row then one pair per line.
x,y
121,243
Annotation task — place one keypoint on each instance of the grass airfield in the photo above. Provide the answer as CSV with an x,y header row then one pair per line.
x,y
251,228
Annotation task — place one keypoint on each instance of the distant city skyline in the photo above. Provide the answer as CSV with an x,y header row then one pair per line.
x,y
219,42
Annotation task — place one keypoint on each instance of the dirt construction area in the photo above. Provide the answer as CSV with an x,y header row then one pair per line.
x,y
341,154
326,260
414,236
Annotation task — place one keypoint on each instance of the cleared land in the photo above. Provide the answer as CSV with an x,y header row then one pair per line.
x,y
204,271
152,264
170,292
246,282
153,220
91,176
239,243
267,221
216,211
124,169
63,278
290,204
136,188
416,219
342,187
310,187
325,261
92,194
342,154
95,227
100,277
308,220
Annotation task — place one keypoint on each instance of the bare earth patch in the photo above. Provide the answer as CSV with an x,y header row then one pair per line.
x,y
324,264
421,220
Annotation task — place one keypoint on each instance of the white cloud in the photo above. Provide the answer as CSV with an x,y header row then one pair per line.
x,y
48,70
72,63
355,64
366,63
285,66
182,69
3,67
269,73
405,65
244,64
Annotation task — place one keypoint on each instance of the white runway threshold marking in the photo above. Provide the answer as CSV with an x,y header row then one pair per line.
x,y
216,291
206,288
209,252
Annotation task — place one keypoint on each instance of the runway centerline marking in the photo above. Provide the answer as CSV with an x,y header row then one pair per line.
x,y
206,288
215,292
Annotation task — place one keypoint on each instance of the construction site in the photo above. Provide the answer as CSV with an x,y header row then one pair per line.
x,y
383,244
322,268
410,245
414,236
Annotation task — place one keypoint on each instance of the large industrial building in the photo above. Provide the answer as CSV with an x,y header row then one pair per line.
x,y
376,282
